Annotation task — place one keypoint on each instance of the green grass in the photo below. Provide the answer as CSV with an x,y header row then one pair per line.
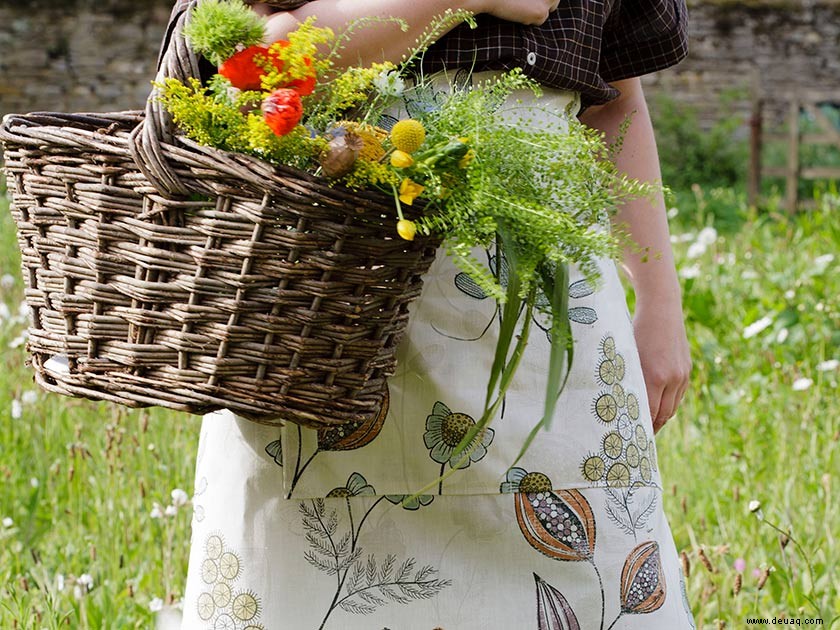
x,y
742,434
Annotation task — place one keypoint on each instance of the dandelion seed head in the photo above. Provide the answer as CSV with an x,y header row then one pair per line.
x,y
695,250
707,236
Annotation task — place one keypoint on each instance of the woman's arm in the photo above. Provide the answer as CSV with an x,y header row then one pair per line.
x,y
658,320
387,42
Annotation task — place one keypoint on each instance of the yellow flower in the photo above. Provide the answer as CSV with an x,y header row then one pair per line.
x,y
406,229
408,135
401,159
409,191
464,162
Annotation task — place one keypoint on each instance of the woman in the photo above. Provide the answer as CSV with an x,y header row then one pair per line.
x,y
304,529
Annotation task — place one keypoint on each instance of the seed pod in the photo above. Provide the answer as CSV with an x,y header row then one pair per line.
x,y
736,588
762,579
686,564
341,154
784,539
705,560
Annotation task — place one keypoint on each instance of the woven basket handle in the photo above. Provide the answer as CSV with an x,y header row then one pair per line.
x,y
177,61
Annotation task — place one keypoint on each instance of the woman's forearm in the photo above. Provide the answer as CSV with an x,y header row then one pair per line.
x,y
651,271
384,41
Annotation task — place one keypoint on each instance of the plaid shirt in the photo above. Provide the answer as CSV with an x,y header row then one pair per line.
x,y
584,44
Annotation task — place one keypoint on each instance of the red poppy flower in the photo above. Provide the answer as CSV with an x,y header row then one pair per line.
x,y
282,110
244,71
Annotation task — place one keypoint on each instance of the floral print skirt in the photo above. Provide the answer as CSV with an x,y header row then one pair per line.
x,y
351,529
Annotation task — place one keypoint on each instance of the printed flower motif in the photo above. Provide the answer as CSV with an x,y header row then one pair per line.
x,y
553,611
409,502
219,604
642,580
348,437
559,524
409,191
282,110
357,486
445,430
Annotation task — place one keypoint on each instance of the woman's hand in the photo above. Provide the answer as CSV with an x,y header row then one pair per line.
x,y
664,354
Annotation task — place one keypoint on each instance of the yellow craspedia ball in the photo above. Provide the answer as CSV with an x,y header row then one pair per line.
x,y
408,135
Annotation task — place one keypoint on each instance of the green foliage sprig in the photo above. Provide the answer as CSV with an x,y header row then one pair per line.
x,y
217,27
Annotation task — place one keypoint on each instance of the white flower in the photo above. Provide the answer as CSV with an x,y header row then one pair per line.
x,y
19,340
695,250
157,511
59,582
86,580
29,396
24,311
156,604
707,236
790,294
5,313
170,510
782,335
754,505
749,274
389,84
756,327
77,592
827,366
690,272
821,263
179,497
8,522
17,409
801,384
7,281
34,482
673,212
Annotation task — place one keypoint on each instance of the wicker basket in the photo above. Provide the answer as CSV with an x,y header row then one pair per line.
x,y
173,274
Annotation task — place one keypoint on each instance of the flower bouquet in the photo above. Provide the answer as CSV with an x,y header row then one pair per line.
x,y
535,192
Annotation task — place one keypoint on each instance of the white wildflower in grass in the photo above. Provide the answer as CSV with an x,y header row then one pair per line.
x,y
157,511
179,497
673,212
151,447
827,366
754,505
756,327
17,409
156,605
59,582
7,281
24,311
29,397
18,341
749,274
707,236
86,580
782,335
801,384
34,482
389,84
8,522
170,510
690,272
821,263
790,294
819,307
5,313
78,593
695,250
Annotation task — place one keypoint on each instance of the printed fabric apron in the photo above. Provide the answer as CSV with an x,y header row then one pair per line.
x,y
298,529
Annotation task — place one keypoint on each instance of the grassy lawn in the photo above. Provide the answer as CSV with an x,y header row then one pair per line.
x,y
79,480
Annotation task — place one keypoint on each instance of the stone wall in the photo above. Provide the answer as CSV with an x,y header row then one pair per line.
x,y
98,55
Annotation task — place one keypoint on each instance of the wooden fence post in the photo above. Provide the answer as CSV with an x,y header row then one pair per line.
x,y
754,174
792,176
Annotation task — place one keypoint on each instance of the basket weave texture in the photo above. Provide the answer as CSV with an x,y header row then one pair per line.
x,y
178,275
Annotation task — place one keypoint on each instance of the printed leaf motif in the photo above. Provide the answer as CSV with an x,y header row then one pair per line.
x,y
553,611
642,580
